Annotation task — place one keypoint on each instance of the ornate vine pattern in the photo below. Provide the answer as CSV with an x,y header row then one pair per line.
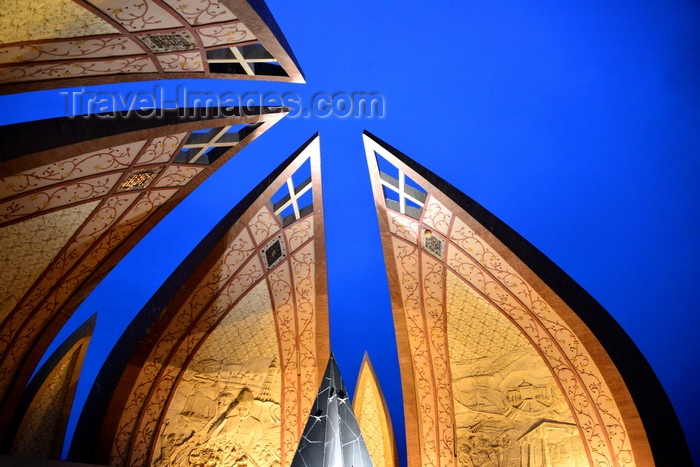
x,y
226,283
433,286
221,34
403,227
478,265
143,208
437,216
58,297
177,175
93,47
104,51
74,69
45,188
28,247
407,265
423,283
116,158
298,233
292,288
179,62
138,15
201,11
160,150
78,180
114,220
223,270
103,219
304,277
51,198
281,287
263,226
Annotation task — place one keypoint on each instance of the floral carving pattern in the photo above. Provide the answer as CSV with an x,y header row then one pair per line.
x,y
201,11
263,226
407,265
304,276
81,48
62,39
472,259
160,150
116,158
27,248
593,406
137,15
75,69
403,227
292,286
437,216
68,259
177,175
298,233
433,285
125,451
51,198
281,288
59,283
221,34
181,62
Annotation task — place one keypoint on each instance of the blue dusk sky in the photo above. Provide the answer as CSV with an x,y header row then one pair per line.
x,y
576,123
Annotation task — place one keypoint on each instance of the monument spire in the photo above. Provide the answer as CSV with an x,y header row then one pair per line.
x,y
332,435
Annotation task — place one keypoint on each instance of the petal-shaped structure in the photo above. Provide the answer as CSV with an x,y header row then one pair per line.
x,y
40,421
76,194
373,417
64,43
221,366
504,359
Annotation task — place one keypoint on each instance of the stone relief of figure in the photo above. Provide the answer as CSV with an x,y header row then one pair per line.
x,y
237,421
240,433
482,450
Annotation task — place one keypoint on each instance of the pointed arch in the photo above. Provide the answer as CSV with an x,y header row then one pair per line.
x,y
373,417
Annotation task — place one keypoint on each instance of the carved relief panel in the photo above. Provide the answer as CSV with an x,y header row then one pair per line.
x,y
226,408
493,375
502,389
